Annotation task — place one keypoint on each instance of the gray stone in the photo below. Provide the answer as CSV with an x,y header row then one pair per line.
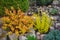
x,y
21,37
38,35
57,24
55,17
4,38
0,31
42,36
51,28
13,37
55,2
59,13
50,9
58,19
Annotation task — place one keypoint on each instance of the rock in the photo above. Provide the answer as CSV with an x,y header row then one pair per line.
x,y
51,28
49,6
21,37
55,17
13,37
32,33
58,26
4,38
58,19
2,35
55,2
50,9
32,2
0,31
38,36
42,35
29,13
0,23
58,8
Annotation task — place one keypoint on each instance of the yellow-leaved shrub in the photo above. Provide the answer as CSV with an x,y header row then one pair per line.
x,y
42,22
16,22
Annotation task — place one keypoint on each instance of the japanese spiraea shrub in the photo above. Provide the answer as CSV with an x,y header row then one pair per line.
x,y
42,23
22,4
31,37
16,22
44,2
52,35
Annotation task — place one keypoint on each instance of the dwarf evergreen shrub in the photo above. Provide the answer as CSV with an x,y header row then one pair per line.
x,y
52,35
43,2
22,4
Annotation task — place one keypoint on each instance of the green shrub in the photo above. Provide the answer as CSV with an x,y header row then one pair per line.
x,y
22,4
44,2
1,11
52,35
53,11
31,37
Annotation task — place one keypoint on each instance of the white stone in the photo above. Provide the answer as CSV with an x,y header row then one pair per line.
x,y
42,36
55,2
22,37
51,27
13,37
38,35
57,24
